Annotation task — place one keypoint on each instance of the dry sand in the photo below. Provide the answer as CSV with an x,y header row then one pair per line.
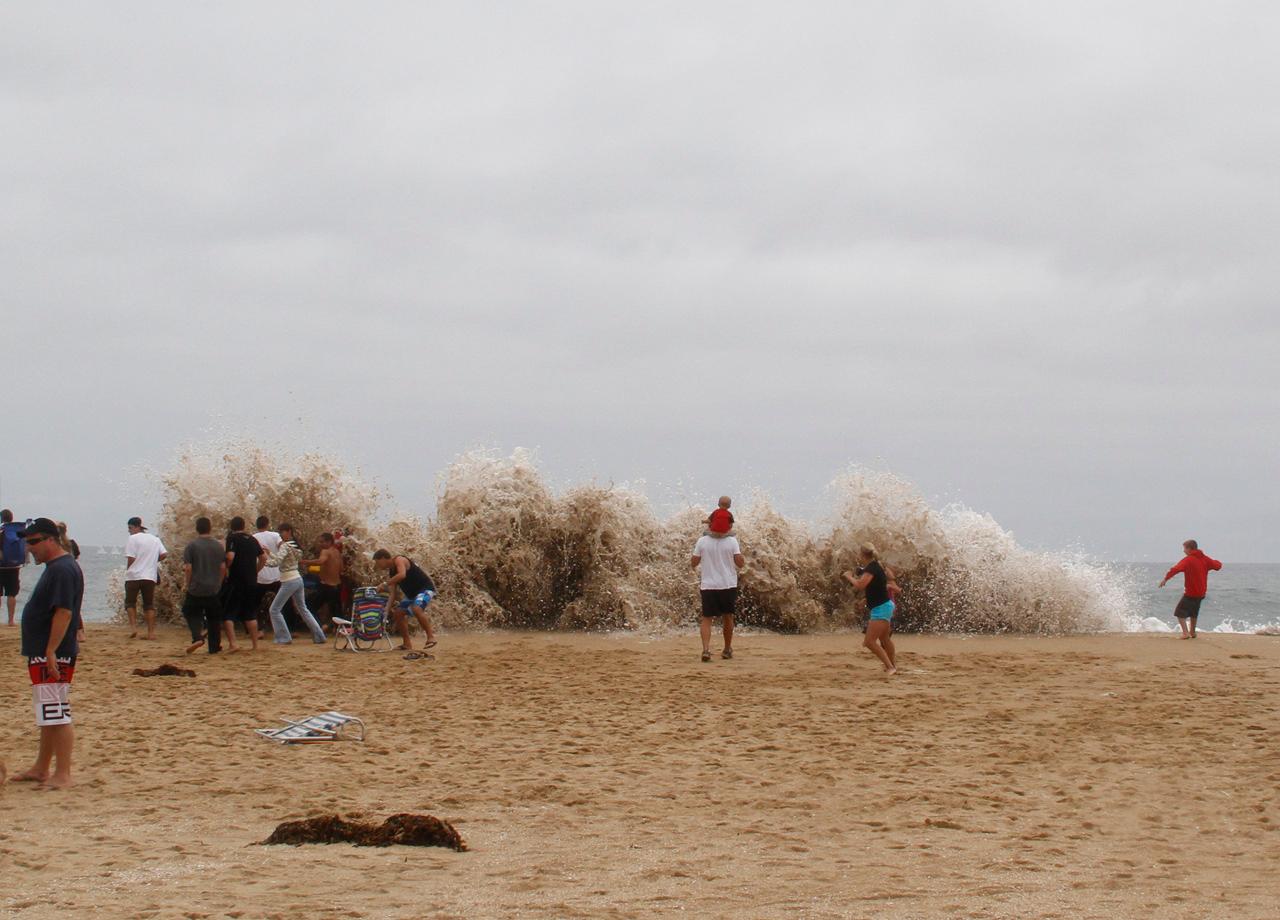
x,y
601,776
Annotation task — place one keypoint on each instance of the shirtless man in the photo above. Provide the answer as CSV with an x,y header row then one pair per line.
x,y
330,562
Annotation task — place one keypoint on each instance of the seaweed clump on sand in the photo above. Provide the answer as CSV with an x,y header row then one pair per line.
x,y
397,830
165,670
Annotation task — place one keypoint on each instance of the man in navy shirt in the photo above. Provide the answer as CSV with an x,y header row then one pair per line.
x,y
50,620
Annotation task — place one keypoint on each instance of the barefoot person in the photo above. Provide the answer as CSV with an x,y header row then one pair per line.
x,y
268,575
1195,567
329,596
877,582
417,590
204,563
13,556
717,558
245,557
49,623
143,555
286,557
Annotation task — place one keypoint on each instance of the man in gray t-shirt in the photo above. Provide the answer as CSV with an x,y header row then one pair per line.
x,y
205,563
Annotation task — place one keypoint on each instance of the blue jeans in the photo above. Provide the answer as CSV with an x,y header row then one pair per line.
x,y
292,590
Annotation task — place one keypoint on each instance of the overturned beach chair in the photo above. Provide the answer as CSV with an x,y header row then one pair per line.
x,y
367,628
328,726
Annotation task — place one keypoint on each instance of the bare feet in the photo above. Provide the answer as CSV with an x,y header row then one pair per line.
x,y
233,650
890,672
30,776
1185,636
133,635
56,783
194,645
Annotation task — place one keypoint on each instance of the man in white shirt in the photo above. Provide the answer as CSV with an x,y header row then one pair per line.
x,y
719,558
143,553
268,575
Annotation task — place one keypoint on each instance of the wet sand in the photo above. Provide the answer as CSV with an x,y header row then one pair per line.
x,y
601,776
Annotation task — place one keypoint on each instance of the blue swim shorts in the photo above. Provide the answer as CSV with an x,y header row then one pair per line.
x,y
420,601
884,611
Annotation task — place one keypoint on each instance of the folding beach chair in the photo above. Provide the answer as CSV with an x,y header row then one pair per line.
x,y
328,726
367,627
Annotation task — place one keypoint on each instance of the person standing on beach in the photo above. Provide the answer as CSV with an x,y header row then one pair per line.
x,y
205,564
287,556
417,591
329,594
1195,567
245,558
49,623
873,579
268,575
143,555
13,556
717,558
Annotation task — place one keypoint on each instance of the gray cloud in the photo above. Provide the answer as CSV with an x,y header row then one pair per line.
x,y
1021,253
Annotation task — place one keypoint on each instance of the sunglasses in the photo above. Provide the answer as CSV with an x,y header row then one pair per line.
x,y
32,541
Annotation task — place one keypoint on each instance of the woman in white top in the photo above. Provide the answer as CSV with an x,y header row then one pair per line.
x,y
286,558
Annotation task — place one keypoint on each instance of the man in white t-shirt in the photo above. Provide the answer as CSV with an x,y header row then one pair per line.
x,y
143,553
268,575
719,558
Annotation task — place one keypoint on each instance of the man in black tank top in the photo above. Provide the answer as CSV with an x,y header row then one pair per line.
x,y
417,591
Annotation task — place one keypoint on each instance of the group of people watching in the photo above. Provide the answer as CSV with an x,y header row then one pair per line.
x,y
233,580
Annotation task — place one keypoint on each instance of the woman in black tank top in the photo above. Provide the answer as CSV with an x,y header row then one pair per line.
x,y
877,583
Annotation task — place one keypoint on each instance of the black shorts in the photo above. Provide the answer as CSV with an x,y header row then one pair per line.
x,y
146,588
9,582
240,602
1188,608
719,602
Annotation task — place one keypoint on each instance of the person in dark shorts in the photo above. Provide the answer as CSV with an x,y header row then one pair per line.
x,y
143,554
13,556
50,620
245,557
268,575
717,559
1195,567
204,563
878,583
417,590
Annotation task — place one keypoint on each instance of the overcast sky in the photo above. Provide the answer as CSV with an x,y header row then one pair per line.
x,y
1024,254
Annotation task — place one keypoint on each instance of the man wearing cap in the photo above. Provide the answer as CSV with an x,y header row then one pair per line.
x,y
144,553
50,620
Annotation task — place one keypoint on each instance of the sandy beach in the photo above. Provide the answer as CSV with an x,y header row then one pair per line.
x,y
616,776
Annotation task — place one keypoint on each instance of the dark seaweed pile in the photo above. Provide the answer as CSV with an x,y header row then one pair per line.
x,y
398,830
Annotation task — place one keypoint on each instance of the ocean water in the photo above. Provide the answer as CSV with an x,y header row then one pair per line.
x,y
1243,598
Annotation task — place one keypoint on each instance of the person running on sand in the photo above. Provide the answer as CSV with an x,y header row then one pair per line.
x,y
1195,567
204,563
245,557
417,590
720,522
49,622
330,561
143,555
717,558
268,575
287,557
877,583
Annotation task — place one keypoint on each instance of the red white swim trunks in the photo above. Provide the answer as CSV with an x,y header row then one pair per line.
x,y
50,697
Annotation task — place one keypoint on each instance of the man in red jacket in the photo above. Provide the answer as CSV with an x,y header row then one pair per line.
x,y
1195,567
